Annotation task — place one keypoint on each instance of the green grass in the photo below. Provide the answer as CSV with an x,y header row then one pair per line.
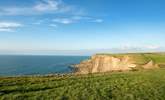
x,y
143,58
139,85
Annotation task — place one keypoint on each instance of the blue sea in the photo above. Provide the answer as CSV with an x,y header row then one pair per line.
x,y
37,65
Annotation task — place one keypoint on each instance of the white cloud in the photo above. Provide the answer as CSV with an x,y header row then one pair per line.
x,y
146,47
6,30
53,25
47,5
42,7
153,47
39,22
63,20
81,18
75,19
98,20
9,26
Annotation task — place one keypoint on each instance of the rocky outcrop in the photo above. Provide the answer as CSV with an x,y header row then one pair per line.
x,y
108,63
150,65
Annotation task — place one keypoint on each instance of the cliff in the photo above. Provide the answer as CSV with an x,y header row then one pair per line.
x,y
108,63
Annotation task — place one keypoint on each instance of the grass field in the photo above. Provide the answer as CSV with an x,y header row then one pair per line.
x,y
139,85
143,58
133,85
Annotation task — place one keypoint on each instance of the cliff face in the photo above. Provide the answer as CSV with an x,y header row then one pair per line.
x,y
107,63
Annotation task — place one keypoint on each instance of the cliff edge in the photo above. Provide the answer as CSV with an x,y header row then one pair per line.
x,y
108,63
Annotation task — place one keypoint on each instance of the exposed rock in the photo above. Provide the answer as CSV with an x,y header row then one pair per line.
x,y
108,63
150,65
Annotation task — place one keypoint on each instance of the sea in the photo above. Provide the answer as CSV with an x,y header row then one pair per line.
x,y
14,65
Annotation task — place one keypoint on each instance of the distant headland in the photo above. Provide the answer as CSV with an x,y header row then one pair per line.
x,y
120,62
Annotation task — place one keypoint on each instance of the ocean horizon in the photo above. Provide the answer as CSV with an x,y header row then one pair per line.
x,y
16,65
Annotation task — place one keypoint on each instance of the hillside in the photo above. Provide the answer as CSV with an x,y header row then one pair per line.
x,y
139,85
120,62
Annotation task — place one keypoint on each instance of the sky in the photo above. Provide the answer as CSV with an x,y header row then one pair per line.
x,y
68,27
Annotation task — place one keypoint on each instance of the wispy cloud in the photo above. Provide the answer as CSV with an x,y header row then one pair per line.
x,y
76,19
140,47
63,20
53,25
47,5
9,26
44,7
41,7
97,20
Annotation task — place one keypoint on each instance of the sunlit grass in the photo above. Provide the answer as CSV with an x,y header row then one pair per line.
x,y
145,84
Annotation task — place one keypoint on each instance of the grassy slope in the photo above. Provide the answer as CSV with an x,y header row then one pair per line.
x,y
143,58
149,85
145,84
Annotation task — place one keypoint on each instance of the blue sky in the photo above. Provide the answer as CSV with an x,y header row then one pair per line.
x,y
68,26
